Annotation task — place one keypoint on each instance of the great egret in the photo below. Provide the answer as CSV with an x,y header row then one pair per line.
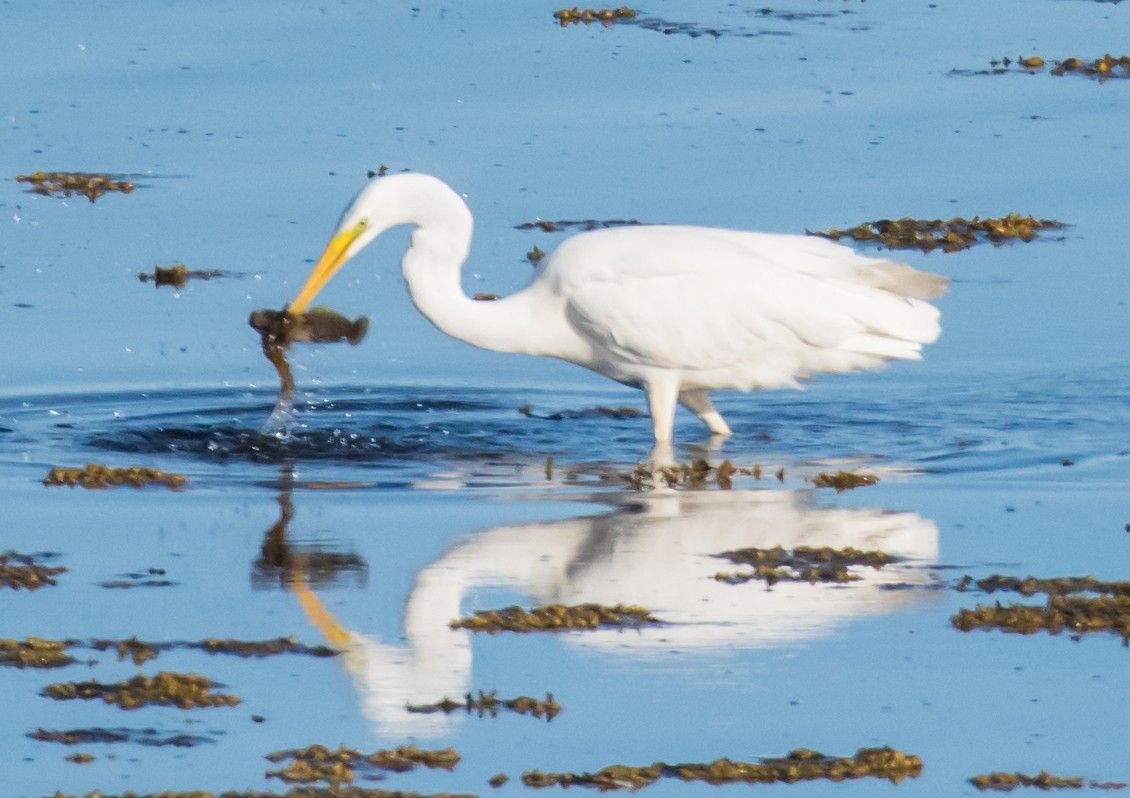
x,y
674,311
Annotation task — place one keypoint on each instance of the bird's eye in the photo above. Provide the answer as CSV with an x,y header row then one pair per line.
x,y
363,223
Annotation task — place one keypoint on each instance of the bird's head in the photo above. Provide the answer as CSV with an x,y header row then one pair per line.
x,y
406,198
353,233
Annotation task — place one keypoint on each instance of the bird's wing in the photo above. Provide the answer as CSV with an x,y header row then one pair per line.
x,y
703,299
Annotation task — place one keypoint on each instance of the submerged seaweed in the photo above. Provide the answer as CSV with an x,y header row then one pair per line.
x,y
183,690
317,763
488,704
66,184
176,275
800,765
802,564
97,477
555,617
21,571
948,236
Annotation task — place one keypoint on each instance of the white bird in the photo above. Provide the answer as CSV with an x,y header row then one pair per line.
x,y
675,311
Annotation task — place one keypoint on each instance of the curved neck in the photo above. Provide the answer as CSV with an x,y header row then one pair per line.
x,y
432,268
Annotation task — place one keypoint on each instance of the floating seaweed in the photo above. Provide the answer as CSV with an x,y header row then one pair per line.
x,y
147,737
80,758
317,763
600,411
606,16
98,477
498,780
1075,614
34,652
66,184
535,255
949,236
625,15
278,329
555,617
547,226
488,703
177,275
843,480
1006,782
183,690
1104,68
347,791
1059,586
695,475
26,573
800,765
802,564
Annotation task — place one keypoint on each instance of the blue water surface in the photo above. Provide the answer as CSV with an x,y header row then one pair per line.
x,y
414,486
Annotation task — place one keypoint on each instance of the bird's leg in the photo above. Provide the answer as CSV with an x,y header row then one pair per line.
x,y
698,402
661,397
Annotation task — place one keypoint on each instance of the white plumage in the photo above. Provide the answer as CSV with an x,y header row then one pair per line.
x,y
676,311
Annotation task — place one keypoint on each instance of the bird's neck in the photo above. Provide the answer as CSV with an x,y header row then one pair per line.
x,y
432,269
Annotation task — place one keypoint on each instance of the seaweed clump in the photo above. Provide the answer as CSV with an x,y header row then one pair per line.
x,y
555,617
26,573
1058,586
183,690
99,477
799,765
571,16
547,226
1075,614
1006,782
66,184
843,480
317,763
278,329
297,792
147,737
802,564
1109,66
1064,610
949,236
34,652
488,703
694,475
176,275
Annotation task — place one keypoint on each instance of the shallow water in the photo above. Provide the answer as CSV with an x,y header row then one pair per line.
x,y
413,488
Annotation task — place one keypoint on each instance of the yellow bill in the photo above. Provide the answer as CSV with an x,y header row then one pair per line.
x,y
332,259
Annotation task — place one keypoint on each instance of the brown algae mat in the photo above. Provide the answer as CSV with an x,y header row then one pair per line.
x,y
66,184
799,765
96,735
98,477
183,690
843,480
343,791
1065,609
488,704
555,618
22,572
177,275
317,763
1104,68
278,329
547,226
34,652
1007,782
949,236
802,564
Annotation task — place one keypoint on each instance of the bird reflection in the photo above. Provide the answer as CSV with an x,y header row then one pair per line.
x,y
657,550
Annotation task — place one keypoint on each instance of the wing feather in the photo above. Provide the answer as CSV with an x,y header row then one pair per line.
x,y
767,308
